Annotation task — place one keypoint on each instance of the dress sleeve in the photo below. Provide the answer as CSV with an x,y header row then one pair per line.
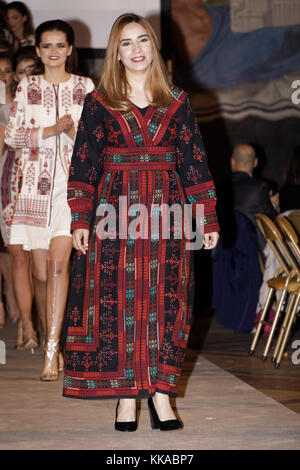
x,y
89,86
193,169
85,168
18,135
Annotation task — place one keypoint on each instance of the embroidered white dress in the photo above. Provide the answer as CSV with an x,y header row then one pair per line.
x,y
41,211
8,179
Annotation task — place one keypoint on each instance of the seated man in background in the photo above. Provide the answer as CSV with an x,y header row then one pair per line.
x,y
251,195
237,276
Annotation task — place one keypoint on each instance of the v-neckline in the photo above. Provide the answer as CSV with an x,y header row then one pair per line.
x,y
147,115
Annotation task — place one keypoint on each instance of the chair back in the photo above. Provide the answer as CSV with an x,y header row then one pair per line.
x,y
294,218
276,242
290,237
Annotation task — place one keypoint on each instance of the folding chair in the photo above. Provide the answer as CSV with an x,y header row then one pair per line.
x,y
294,218
286,272
293,289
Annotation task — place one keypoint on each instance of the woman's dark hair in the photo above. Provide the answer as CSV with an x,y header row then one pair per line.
x,y
2,15
64,27
24,11
4,45
6,56
24,53
293,171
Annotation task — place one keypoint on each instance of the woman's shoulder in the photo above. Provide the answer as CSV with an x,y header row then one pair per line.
x,y
98,96
178,93
81,78
94,102
35,80
181,100
180,96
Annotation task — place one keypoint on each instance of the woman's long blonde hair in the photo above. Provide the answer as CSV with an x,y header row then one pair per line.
x,y
113,81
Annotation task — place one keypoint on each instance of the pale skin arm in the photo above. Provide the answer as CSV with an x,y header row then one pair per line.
x,y
210,240
64,124
81,239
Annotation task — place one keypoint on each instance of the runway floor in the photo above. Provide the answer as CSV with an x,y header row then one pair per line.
x,y
219,410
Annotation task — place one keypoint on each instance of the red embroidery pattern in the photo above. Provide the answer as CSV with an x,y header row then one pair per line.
x,y
66,99
44,183
79,93
34,94
83,152
30,176
98,132
48,99
112,136
185,134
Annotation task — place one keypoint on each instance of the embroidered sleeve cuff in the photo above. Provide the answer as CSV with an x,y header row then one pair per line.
x,y
203,199
80,220
80,200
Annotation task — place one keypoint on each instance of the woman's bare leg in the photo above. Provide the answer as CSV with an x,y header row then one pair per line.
x,y
57,290
39,280
20,340
21,275
11,302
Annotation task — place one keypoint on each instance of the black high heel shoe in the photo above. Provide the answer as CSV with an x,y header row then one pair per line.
x,y
124,425
169,425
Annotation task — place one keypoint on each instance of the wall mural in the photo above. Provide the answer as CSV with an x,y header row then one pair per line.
x,y
240,60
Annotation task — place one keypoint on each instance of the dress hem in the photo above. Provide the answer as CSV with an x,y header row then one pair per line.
x,y
141,394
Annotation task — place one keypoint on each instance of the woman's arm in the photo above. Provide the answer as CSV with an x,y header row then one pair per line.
x,y
19,135
85,168
194,173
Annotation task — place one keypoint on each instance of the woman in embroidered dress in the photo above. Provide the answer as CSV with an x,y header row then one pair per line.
x,y
19,22
7,78
42,124
23,62
129,309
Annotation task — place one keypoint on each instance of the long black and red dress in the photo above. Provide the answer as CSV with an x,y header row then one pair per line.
x,y
130,306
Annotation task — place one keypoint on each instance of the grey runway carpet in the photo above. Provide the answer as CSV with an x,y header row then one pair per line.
x,y
219,411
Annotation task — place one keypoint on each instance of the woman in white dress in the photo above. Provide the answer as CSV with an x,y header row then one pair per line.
x,y
42,123
9,86
15,69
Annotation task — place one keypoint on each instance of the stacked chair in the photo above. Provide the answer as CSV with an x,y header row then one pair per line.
x,y
284,244
292,240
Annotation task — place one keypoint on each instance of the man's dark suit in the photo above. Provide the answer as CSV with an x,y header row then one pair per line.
x,y
251,196
236,270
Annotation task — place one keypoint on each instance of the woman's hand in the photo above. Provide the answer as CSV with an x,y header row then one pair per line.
x,y
70,132
81,239
64,124
210,240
